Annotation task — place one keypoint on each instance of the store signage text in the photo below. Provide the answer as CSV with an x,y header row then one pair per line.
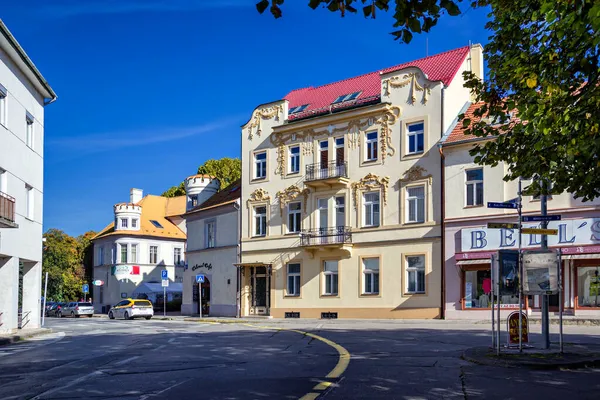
x,y
203,265
575,232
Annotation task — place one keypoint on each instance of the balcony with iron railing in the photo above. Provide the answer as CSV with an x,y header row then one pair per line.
x,y
327,174
7,211
329,237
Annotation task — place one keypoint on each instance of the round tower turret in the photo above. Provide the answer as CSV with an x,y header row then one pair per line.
x,y
200,188
127,217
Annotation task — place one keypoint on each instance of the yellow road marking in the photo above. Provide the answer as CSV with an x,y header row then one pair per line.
x,y
310,396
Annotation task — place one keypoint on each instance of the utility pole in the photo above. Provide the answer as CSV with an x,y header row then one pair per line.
x,y
544,224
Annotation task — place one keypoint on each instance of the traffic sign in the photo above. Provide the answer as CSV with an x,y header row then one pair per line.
x,y
502,225
538,218
199,278
85,288
97,282
501,205
164,274
537,231
165,283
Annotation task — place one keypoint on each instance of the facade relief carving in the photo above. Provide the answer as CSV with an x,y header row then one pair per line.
x,y
280,170
411,79
416,173
262,114
386,121
258,195
370,182
291,193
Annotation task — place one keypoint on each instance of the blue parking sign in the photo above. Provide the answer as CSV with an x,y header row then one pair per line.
x,y
164,274
85,288
200,278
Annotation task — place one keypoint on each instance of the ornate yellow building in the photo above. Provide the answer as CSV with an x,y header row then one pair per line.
x,y
341,194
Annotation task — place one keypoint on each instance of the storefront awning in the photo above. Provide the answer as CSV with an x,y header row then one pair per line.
x,y
474,262
580,256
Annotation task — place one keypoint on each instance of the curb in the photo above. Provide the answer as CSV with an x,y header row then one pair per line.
x,y
218,321
489,359
23,336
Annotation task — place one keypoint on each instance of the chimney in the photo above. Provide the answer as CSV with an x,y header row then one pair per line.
x,y
477,60
135,195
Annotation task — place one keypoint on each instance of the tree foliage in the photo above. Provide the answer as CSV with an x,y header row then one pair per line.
x,y
62,260
226,170
543,61
410,16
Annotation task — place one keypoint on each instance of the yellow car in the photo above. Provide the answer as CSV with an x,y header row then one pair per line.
x,y
132,308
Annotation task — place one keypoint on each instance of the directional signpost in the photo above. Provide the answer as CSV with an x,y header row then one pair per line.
x,y
541,218
200,281
164,274
85,288
538,231
501,205
502,225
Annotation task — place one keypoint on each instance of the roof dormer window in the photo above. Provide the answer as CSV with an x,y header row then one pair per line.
x,y
298,109
156,224
346,97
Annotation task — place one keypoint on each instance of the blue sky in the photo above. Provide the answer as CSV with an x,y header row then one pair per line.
x,y
150,89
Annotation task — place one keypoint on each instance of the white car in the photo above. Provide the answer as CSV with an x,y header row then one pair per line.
x,y
76,309
132,308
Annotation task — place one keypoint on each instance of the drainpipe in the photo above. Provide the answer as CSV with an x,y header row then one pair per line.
x,y
443,211
238,280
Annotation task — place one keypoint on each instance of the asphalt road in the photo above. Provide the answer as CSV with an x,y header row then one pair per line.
x,y
104,359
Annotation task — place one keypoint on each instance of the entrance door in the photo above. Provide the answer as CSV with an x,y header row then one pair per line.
x,y
260,291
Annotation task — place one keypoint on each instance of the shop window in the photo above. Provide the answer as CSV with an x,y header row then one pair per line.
x,y
588,287
478,288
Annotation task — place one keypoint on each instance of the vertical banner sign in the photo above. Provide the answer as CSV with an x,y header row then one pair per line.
x,y
508,264
540,272
513,328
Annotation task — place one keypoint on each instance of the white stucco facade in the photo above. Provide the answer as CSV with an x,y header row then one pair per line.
x,y
23,96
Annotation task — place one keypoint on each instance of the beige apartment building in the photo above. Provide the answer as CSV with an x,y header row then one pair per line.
x,y
341,194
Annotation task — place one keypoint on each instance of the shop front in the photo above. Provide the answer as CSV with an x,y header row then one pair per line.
x,y
468,269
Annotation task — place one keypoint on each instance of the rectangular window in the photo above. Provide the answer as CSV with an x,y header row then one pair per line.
x,y
330,274
177,256
370,275
371,209
340,211
322,205
101,256
153,254
260,165
339,151
134,257
260,221
30,200
123,222
134,222
3,107
294,217
293,282
194,200
3,181
29,120
416,134
123,253
474,189
415,204
324,155
415,271
371,146
294,157
211,241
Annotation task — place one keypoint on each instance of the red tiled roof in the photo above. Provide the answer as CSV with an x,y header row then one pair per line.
x,y
457,134
440,67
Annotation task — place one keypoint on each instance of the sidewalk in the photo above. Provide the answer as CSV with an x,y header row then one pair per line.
x,y
574,356
22,335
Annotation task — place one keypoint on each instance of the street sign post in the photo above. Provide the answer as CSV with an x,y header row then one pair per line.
x,y
85,288
164,274
501,205
541,218
538,231
502,225
200,281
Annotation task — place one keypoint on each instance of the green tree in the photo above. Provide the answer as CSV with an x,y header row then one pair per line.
x,y
543,66
85,250
226,170
175,191
62,260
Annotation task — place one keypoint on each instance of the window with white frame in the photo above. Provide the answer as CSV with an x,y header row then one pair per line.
x,y
177,256
133,253
294,217
340,211
123,222
134,222
371,146
474,186
30,200
339,151
416,135
260,221
415,274
415,204
123,247
294,160
153,254
194,200
100,256
260,165
370,275
211,230
330,276
293,279
3,105
29,121
371,209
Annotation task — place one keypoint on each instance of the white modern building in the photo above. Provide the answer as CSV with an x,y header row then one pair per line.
x,y
212,248
147,236
23,95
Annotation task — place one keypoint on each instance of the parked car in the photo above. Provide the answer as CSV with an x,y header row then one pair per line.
x,y
55,309
76,309
132,308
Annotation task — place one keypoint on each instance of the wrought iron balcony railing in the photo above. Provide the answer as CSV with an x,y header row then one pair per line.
x,y
326,236
7,207
333,169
